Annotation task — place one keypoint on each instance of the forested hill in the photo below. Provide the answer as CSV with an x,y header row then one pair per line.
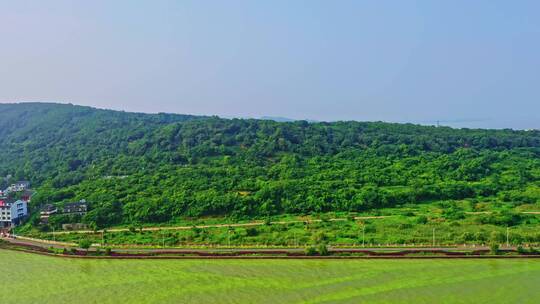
x,y
40,140
155,167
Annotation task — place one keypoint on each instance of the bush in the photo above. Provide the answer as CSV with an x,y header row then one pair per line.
x,y
494,248
319,236
467,236
85,244
252,231
533,250
422,219
323,249
497,237
310,251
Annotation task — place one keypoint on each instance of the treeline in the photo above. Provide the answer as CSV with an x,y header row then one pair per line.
x,y
141,168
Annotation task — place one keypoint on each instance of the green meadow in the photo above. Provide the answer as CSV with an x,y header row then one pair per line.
x,y
39,279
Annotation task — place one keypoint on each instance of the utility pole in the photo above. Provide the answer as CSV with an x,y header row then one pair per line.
x,y
53,235
363,235
433,237
507,236
102,237
163,239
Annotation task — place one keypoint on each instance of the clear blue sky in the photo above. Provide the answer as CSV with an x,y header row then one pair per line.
x,y
465,63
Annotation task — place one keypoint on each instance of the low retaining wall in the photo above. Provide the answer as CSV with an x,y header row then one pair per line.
x,y
284,254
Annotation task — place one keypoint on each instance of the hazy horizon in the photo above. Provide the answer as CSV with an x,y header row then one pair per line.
x,y
463,64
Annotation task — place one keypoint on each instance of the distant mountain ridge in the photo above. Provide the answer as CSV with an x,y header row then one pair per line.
x,y
284,119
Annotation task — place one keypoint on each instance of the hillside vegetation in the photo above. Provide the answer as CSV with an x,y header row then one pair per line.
x,y
152,168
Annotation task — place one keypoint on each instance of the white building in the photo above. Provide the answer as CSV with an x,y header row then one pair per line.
x,y
19,186
12,212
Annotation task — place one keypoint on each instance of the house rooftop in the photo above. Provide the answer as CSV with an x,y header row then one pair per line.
x,y
74,204
4,202
48,208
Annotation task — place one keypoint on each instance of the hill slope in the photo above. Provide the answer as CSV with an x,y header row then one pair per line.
x,y
155,167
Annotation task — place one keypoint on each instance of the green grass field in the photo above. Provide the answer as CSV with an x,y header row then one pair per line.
x,y
38,279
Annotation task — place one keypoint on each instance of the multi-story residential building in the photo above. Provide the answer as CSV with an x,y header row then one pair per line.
x,y
5,212
12,212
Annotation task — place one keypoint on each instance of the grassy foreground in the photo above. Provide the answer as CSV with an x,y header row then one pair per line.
x,y
40,279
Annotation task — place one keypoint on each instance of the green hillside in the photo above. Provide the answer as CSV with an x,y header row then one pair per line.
x,y
152,168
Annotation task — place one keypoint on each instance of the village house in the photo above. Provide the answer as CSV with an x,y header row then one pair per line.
x,y
23,185
19,186
79,208
46,212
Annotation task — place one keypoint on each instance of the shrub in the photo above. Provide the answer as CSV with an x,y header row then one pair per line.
x,y
85,244
465,237
319,237
497,237
494,248
422,219
310,251
403,226
323,249
252,231
533,250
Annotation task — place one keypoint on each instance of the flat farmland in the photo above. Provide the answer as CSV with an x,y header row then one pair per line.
x,y
40,279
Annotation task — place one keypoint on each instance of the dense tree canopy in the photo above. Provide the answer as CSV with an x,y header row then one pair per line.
x,y
144,168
